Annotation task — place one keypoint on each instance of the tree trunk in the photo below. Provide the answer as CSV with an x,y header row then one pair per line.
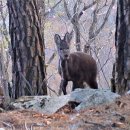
x,y
121,68
77,36
27,43
75,21
4,78
4,59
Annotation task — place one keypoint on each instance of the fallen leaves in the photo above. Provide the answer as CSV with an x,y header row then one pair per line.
x,y
105,117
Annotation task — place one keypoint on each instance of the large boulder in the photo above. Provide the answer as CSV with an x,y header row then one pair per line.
x,y
43,104
92,97
49,105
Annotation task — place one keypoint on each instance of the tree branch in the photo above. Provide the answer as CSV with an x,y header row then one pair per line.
x,y
87,7
51,58
52,8
91,29
105,19
67,10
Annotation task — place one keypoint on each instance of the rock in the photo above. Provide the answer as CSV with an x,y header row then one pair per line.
x,y
92,97
2,129
30,102
43,104
1,110
82,97
54,104
128,92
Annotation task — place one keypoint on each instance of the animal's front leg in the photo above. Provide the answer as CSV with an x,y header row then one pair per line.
x,y
63,85
75,85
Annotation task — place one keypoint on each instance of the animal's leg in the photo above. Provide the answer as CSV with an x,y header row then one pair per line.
x,y
93,84
77,85
63,85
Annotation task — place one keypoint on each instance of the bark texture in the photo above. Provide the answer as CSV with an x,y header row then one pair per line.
x,y
27,43
121,68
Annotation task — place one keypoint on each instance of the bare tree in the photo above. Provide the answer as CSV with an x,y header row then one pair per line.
x,y
78,13
121,68
74,18
27,44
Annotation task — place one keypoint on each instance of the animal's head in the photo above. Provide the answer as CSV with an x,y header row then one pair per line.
x,y
63,45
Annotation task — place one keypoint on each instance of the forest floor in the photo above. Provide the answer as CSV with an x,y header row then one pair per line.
x,y
115,116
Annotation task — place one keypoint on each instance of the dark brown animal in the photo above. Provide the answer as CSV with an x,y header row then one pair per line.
x,y
77,67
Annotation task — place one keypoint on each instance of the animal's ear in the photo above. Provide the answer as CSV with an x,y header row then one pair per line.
x,y
68,37
57,39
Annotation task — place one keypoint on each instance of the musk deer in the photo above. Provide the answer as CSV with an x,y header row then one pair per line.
x,y
77,67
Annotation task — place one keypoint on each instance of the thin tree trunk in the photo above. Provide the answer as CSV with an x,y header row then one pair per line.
x,y
3,67
27,47
121,69
77,34
4,79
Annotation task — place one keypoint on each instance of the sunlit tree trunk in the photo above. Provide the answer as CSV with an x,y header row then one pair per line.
x,y
27,43
4,75
121,68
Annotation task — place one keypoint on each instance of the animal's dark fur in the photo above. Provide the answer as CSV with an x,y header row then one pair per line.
x,y
77,67
81,68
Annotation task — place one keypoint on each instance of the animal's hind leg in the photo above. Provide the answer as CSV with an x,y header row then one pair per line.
x,y
77,85
93,84
63,86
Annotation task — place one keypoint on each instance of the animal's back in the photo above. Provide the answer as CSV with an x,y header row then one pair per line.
x,y
82,66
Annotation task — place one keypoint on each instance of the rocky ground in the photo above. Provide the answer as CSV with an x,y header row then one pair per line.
x,y
115,116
